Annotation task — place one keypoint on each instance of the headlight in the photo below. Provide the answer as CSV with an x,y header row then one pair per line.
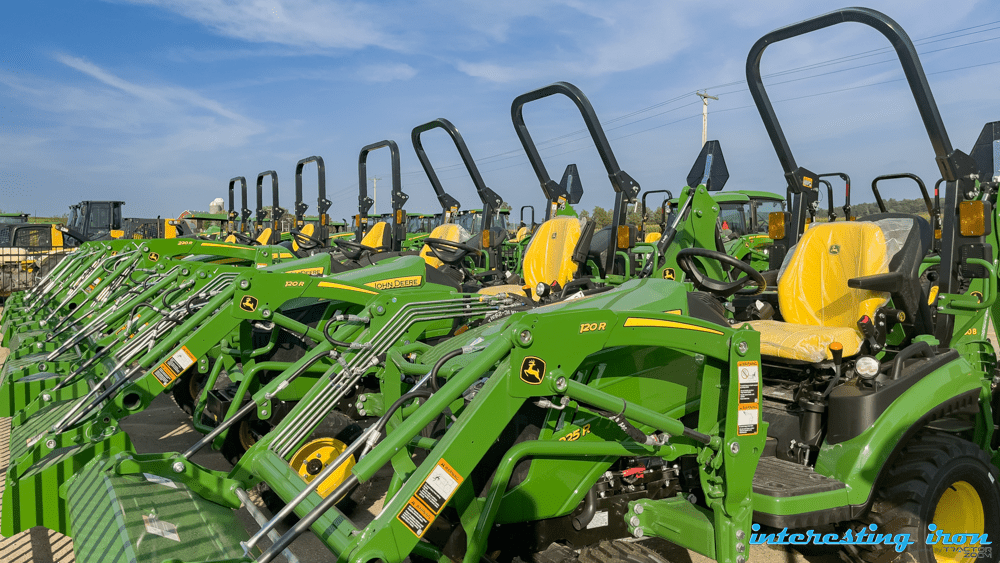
x,y
542,289
867,367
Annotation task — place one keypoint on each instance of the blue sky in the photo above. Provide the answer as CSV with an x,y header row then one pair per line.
x,y
160,102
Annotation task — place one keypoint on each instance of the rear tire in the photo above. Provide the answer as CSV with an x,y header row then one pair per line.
x,y
938,480
187,389
619,552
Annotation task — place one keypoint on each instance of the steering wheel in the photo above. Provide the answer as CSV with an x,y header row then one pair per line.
x,y
718,287
305,241
244,239
450,252
354,250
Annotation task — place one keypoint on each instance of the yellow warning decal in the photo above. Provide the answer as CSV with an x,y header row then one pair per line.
x,y
396,283
430,499
175,365
347,287
660,323
217,245
748,409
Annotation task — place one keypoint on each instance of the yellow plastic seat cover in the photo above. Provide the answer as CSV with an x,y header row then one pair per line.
x,y
548,257
308,229
451,232
264,236
522,233
653,237
376,236
816,303
512,289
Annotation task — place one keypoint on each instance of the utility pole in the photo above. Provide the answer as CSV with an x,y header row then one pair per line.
x,y
375,180
704,114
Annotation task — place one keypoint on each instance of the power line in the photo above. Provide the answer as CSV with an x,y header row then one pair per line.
x,y
582,134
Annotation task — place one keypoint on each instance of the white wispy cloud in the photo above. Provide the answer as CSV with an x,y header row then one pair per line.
x,y
325,24
386,72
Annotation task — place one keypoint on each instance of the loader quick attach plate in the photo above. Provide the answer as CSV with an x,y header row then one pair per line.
x,y
146,518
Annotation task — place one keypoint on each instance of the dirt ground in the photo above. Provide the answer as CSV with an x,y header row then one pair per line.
x,y
164,427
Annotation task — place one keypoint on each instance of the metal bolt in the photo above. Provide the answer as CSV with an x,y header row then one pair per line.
x,y
741,559
740,534
46,397
50,444
178,467
362,412
266,313
740,548
185,272
634,521
244,284
561,384
263,413
742,348
38,345
380,309
363,398
735,448
525,337
637,509
359,405
637,533
42,366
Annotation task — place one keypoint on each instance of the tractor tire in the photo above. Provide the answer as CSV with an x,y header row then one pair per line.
x,y
938,480
619,551
340,427
187,389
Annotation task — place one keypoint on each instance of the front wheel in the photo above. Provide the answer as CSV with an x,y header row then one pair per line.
x,y
942,492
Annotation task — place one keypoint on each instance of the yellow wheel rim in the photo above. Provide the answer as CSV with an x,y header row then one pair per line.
x,y
247,438
313,458
958,511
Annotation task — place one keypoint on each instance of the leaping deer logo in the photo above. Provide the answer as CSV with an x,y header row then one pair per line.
x,y
532,370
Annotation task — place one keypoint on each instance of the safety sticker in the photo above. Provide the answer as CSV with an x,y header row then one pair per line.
x,y
160,527
748,415
163,375
749,380
747,418
181,360
431,497
34,439
439,486
416,517
159,480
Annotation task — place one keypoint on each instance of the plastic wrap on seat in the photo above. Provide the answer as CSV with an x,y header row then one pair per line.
x,y
548,257
812,288
375,237
512,289
452,232
803,342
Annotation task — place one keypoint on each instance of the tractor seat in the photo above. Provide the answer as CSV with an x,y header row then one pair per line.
x,y
379,236
522,233
814,298
452,232
265,236
552,255
652,237
308,229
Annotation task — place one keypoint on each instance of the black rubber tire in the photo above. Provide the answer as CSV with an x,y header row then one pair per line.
x,y
187,389
929,464
343,428
619,551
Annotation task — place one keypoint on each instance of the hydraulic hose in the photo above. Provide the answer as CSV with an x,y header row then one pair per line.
x,y
440,363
